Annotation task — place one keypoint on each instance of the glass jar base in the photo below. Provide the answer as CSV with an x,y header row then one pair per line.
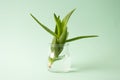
x,y
59,66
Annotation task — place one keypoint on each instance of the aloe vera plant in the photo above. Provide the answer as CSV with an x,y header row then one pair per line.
x,y
60,36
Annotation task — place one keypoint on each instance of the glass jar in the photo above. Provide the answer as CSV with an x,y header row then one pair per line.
x,y
59,58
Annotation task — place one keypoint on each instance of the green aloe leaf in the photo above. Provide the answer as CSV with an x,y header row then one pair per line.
x,y
56,30
43,26
58,24
80,37
63,36
66,18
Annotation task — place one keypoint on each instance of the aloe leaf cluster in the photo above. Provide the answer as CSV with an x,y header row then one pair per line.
x,y
60,36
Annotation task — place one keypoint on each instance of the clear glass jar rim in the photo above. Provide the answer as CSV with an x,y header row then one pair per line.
x,y
66,44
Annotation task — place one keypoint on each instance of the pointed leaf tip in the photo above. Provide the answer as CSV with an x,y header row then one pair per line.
x,y
43,26
81,37
66,18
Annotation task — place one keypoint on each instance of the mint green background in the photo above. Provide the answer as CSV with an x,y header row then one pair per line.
x,y
24,45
